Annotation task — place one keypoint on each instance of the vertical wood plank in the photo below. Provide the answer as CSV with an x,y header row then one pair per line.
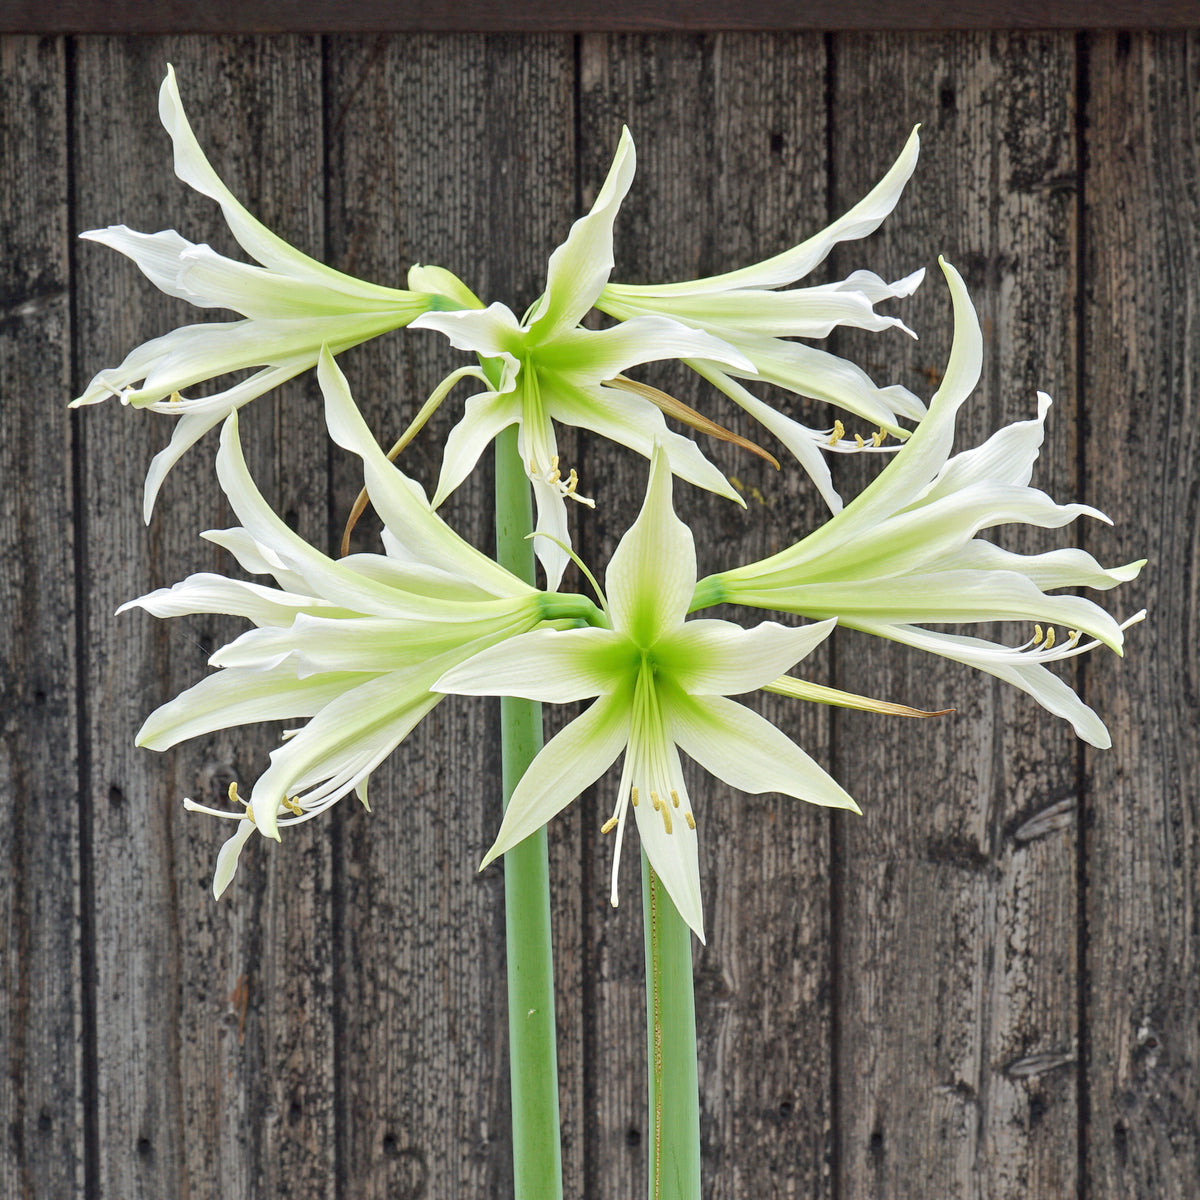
x,y
958,984
40,995
213,1021
730,132
1142,908
456,151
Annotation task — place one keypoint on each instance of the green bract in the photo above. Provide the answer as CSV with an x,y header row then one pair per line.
x,y
905,553
292,305
354,645
661,684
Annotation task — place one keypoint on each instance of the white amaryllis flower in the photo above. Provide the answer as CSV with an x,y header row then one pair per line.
x,y
661,684
904,553
545,368
292,305
354,644
744,309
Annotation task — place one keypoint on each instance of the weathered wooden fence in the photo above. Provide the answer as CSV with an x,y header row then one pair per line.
x,y
986,986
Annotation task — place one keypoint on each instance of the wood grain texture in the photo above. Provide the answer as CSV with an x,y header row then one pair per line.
x,y
554,16
730,134
457,152
1142,952
969,991
214,1021
41,1022
958,991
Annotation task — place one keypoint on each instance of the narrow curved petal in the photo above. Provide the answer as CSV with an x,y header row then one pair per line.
x,y
748,752
553,666
484,416
652,573
580,267
593,355
631,421
567,765
674,855
194,169
863,219
491,332
208,593
231,697
1051,692
553,532
227,857
718,658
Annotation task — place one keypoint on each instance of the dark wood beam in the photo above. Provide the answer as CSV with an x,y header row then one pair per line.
x,y
548,16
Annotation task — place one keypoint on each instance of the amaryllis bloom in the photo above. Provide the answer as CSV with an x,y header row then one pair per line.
x,y
745,309
661,685
351,645
545,368
292,305
904,554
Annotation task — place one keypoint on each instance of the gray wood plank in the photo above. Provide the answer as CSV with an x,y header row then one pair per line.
x,y
41,1089
1142,953
214,1021
458,152
730,133
958,983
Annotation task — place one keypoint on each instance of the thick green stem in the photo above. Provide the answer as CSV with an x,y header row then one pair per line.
x,y
537,1157
670,1046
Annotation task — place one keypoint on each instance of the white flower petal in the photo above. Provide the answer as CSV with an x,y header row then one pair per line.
x,y
579,268
554,666
567,765
652,573
749,753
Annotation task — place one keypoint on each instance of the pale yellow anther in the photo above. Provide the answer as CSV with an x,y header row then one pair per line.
x,y
554,462
839,432
633,796
858,440
1050,638
555,476
877,438
675,797
289,802
666,816
609,825
572,482
176,398
656,801
248,815
687,816
1037,635
1073,635
233,795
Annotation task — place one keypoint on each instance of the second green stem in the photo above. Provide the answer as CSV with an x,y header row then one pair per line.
x,y
670,1046
533,1056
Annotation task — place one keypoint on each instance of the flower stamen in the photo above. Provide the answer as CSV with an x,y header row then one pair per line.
x,y
609,825
839,432
691,821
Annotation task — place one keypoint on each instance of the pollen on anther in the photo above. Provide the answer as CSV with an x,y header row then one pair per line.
x,y
609,825
633,796
675,797
858,440
839,432
233,793
666,816
877,438
691,821
1050,638
289,802
175,398
1037,635
656,801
